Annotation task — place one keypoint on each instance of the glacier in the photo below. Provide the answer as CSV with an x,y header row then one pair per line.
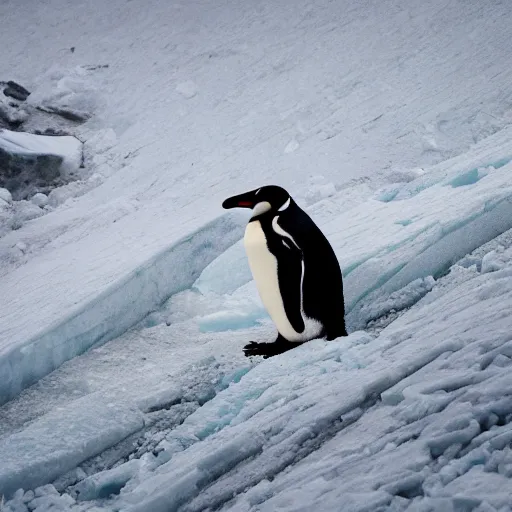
x,y
262,418
116,309
125,307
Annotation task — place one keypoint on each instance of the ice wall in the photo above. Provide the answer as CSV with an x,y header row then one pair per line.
x,y
117,308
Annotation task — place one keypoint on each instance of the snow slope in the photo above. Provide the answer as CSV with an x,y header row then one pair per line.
x,y
30,354
360,422
233,98
464,211
202,100
431,388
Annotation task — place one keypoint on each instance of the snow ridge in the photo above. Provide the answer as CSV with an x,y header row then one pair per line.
x,y
117,308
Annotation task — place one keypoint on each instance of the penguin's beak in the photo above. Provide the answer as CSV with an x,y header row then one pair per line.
x,y
246,200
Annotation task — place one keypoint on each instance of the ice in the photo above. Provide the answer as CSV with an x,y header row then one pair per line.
x,y
315,410
45,498
466,178
5,195
413,413
11,113
399,300
106,483
232,319
206,101
226,273
68,92
172,161
39,199
292,146
37,455
187,89
456,221
174,373
74,189
493,260
319,192
24,359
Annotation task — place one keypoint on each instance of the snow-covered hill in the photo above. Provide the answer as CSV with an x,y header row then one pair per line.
x,y
390,122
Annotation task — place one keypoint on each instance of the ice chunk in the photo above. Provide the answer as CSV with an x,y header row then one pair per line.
x,y
187,89
466,178
231,319
39,199
36,456
106,483
387,194
292,146
26,359
318,192
226,273
77,188
491,263
5,195
25,211
404,222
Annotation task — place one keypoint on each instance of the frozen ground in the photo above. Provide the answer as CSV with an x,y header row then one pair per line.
x,y
390,122
231,98
415,412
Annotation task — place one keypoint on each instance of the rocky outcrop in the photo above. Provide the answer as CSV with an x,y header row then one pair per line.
x,y
36,163
16,91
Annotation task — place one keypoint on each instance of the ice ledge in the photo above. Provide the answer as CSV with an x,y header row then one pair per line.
x,y
117,308
95,425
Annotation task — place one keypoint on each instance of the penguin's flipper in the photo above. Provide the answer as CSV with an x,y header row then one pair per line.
x,y
289,275
268,349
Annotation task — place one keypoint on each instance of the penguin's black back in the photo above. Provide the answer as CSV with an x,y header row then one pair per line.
x,y
322,287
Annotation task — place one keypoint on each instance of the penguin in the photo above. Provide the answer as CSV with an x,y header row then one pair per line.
x,y
296,271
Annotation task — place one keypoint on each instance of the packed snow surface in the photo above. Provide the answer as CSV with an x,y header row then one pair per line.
x,y
124,309
419,407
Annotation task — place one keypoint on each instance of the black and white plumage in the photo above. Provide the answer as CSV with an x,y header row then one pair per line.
x,y
295,269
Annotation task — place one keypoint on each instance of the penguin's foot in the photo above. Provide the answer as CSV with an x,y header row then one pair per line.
x,y
267,349
337,332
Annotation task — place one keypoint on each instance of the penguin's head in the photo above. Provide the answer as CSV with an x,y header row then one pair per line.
x,y
260,200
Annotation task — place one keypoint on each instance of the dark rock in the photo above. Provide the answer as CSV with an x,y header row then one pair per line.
x,y
4,123
96,66
25,174
11,116
32,163
52,132
70,115
16,91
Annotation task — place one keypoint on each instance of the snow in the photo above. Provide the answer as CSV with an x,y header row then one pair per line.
x,y
5,195
316,410
125,307
39,199
92,427
187,89
23,360
443,223
69,92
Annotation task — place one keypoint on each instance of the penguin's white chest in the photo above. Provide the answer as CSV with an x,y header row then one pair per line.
x,y
263,266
